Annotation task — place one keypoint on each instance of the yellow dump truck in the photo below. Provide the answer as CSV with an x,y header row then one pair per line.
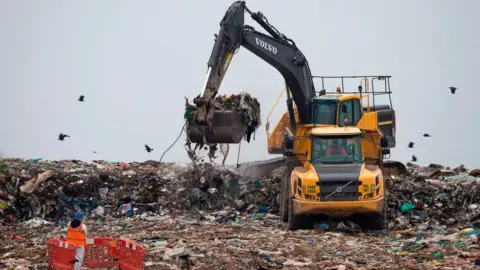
x,y
334,165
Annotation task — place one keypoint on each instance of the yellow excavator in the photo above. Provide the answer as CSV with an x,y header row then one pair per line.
x,y
334,143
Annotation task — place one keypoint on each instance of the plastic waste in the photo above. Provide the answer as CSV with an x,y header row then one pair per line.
x,y
407,207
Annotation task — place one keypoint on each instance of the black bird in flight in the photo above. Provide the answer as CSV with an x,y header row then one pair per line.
x,y
410,144
426,135
453,89
414,158
94,152
81,98
62,136
148,148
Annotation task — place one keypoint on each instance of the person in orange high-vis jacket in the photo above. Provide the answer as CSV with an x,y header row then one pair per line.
x,y
112,250
77,234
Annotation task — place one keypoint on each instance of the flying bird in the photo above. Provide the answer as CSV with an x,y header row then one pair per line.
x,y
453,89
410,144
62,136
426,135
414,158
94,152
148,148
81,98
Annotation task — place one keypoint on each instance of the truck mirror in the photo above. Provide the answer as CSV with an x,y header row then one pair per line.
x,y
383,142
288,143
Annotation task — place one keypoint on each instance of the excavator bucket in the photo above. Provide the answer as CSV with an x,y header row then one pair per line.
x,y
228,126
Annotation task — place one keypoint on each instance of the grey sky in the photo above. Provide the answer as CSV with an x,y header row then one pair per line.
x,y
135,61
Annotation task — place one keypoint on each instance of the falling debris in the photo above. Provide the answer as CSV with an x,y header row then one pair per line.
x,y
148,149
414,159
81,98
453,89
62,136
224,149
410,144
426,135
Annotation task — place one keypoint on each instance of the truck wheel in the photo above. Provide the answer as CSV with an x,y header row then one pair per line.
x,y
296,222
284,198
379,220
285,189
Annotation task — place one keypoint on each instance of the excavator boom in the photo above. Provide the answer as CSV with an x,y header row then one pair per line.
x,y
275,49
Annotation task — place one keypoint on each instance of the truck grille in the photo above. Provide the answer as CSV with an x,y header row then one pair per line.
x,y
337,191
338,183
340,196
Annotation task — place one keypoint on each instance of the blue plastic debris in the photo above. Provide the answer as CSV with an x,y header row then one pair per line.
x,y
262,209
267,257
476,232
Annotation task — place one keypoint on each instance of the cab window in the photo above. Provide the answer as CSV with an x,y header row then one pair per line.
x,y
336,150
350,110
325,112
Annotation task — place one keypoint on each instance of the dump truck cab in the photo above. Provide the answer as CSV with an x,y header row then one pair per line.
x,y
335,181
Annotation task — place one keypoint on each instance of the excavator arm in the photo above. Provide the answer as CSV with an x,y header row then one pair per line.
x,y
275,49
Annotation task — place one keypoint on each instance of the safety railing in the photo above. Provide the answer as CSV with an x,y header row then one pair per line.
x,y
101,252
60,254
50,246
130,255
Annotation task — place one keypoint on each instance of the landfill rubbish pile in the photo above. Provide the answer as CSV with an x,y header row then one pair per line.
x,y
206,216
54,189
433,196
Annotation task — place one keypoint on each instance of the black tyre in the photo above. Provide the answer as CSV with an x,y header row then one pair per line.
x,y
296,222
284,188
378,221
284,197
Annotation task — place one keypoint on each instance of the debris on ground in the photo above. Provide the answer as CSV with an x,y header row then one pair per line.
x,y
210,216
